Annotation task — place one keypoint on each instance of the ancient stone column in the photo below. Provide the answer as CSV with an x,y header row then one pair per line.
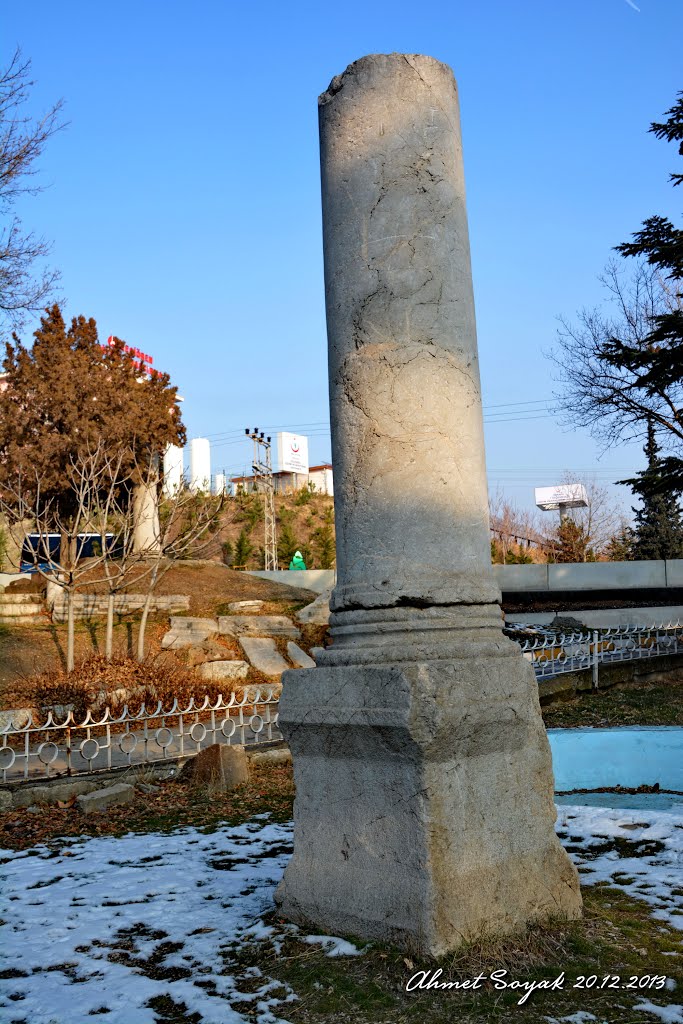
x,y
424,792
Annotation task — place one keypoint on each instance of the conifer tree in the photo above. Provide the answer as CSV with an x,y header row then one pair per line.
x,y
658,527
68,394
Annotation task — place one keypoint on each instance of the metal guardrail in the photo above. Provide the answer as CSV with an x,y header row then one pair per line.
x,y
577,652
102,741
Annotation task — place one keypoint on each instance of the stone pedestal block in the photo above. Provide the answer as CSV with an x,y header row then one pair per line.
x,y
424,805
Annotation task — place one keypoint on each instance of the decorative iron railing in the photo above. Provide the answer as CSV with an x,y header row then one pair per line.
x,y
60,745
576,652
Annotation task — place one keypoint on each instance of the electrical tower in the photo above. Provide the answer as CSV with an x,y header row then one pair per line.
x,y
262,467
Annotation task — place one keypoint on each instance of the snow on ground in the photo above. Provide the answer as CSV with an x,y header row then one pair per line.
x,y
640,852
104,927
116,922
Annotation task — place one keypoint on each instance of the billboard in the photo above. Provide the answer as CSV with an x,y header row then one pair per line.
x,y
292,453
564,495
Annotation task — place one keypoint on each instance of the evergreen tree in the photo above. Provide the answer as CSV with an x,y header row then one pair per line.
x,y
658,528
619,547
287,543
572,542
68,393
243,549
323,546
623,369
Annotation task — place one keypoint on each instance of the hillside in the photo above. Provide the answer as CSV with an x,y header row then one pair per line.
x,y
305,522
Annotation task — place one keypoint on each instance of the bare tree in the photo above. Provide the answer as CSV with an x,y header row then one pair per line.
x,y
613,399
66,565
186,523
23,288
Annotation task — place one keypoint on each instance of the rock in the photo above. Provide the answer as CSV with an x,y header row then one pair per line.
x,y
568,624
5,800
60,712
235,607
257,625
219,670
146,787
317,613
101,799
33,809
281,755
264,655
218,768
209,650
14,718
298,657
24,795
186,631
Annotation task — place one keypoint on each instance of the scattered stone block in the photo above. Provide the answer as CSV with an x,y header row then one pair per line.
x,y
264,655
209,650
102,799
245,606
14,718
24,795
317,613
298,657
187,631
257,625
218,768
5,799
281,755
217,671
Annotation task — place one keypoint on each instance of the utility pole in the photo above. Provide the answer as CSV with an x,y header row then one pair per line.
x,y
262,467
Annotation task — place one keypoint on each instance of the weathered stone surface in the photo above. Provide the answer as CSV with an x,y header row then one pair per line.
x,y
280,755
101,799
298,657
220,670
218,768
245,606
257,625
5,799
23,796
263,654
317,613
209,650
188,632
424,811
14,718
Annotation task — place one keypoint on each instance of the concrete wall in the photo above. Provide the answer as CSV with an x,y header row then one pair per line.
x,y
600,618
590,576
317,580
627,756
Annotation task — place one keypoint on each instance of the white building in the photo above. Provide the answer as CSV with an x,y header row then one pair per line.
x,y
173,470
200,464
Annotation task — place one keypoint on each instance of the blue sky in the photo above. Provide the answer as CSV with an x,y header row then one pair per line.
x,y
184,198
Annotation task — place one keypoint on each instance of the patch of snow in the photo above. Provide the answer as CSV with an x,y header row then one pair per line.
x,y
648,862
580,1017
670,1014
332,945
115,923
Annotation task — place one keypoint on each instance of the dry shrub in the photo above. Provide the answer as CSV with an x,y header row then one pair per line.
x,y
97,683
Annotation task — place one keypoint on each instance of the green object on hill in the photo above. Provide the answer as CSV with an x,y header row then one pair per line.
x,y
297,561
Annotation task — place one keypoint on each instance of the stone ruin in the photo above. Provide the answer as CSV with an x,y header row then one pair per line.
x,y
424,806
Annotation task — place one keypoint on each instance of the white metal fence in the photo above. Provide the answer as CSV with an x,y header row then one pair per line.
x,y
60,745
577,652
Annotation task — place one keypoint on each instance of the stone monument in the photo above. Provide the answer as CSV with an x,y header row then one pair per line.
x,y
424,791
